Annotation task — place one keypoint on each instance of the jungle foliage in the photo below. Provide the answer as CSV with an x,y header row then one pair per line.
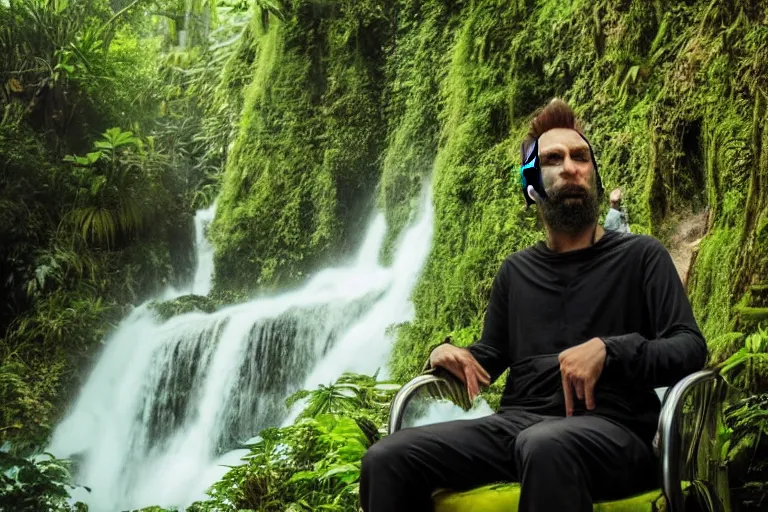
x,y
299,116
39,483
105,153
313,464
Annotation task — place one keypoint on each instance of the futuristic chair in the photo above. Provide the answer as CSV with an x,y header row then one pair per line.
x,y
691,476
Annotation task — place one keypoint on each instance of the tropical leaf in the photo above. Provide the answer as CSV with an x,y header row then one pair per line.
x,y
114,138
346,473
302,475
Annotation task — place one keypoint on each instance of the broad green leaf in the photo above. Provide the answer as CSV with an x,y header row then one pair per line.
x,y
352,452
347,473
303,475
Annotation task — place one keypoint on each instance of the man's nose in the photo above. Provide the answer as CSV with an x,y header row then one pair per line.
x,y
569,165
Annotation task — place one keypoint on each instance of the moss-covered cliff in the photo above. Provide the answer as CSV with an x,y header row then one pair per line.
x,y
304,164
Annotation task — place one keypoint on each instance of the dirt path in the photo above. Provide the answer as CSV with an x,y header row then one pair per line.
x,y
685,241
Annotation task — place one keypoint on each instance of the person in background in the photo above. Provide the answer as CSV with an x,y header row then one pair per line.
x,y
616,219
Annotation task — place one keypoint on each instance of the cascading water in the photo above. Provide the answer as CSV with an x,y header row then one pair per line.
x,y
166,399
201,283
203,279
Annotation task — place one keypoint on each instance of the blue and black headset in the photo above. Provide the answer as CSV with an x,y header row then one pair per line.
x,y
530,171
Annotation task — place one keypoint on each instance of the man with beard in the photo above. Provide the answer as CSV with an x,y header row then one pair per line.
x,y
588,323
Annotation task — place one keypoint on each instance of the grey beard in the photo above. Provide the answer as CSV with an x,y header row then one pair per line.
x,y
570,218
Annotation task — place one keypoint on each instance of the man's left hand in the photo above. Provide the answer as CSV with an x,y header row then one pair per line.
x,y
580,367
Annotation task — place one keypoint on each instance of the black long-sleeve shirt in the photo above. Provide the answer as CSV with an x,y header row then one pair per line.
x,y
623,289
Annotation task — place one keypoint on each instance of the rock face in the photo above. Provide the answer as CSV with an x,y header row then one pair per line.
x,y
685,242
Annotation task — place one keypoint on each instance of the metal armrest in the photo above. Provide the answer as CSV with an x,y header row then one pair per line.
x,y
670,443
438,383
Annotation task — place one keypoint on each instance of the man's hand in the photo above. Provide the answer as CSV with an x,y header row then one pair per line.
x,y
580,367
461,363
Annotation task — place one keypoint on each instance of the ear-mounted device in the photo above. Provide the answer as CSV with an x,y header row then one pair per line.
x,y
530,172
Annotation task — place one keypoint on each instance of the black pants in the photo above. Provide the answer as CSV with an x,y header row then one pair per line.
x,y
563,464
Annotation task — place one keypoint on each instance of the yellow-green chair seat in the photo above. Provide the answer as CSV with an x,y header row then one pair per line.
x,y
505,498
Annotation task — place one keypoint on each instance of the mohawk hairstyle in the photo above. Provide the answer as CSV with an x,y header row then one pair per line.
x,y
557,114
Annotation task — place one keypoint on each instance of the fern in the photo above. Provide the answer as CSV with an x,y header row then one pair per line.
x,y
96,224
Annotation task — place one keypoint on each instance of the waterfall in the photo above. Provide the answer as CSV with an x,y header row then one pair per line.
x,y
201,283
203,279
167,399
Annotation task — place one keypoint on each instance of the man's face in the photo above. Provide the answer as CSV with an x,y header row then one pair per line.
x,y
569,179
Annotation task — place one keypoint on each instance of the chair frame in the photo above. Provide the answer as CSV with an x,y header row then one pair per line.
x,y
444,385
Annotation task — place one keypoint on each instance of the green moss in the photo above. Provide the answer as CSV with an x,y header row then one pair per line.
x,y
711,284
724,346
183,304
414,70
306,153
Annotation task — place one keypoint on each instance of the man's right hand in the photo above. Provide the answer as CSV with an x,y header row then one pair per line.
x,y
461,363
